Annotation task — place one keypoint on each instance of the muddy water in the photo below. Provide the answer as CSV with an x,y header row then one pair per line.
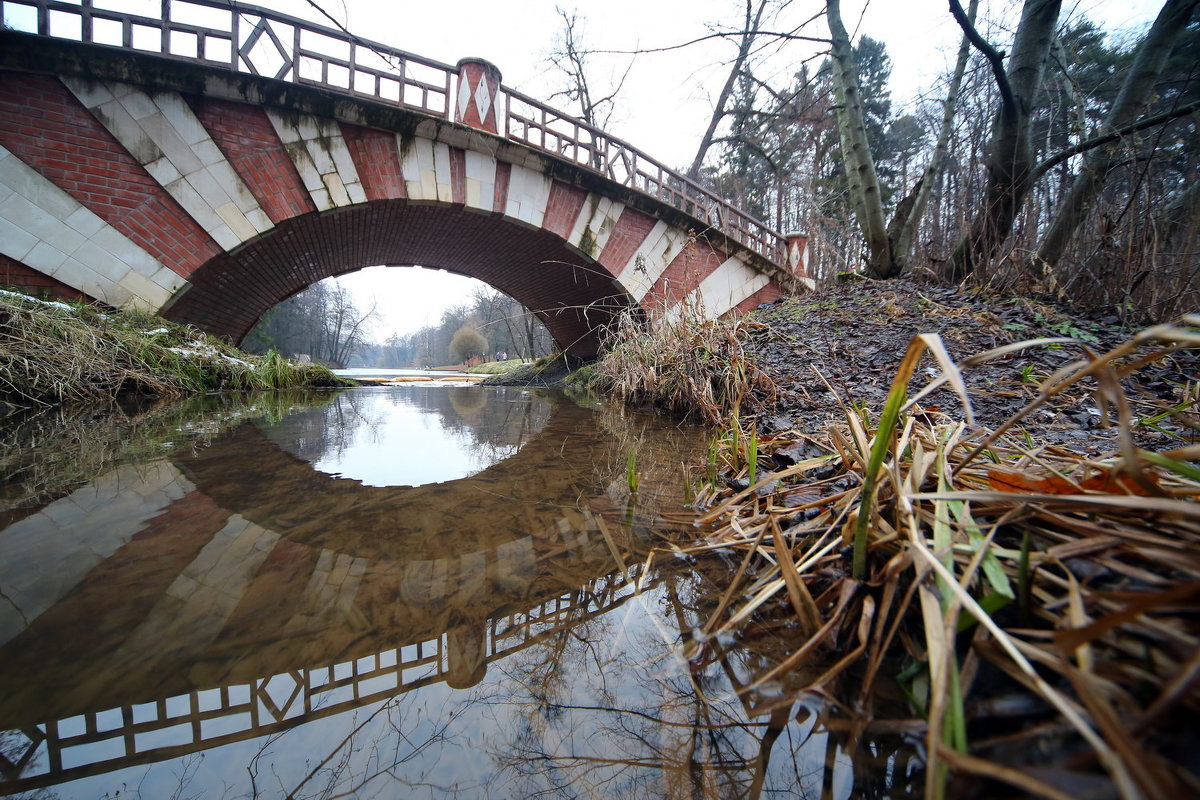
x,y
392,592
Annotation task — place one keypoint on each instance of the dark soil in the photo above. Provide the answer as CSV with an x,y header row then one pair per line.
x,y
855,334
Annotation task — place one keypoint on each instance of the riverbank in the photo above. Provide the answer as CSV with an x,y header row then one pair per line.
x,y
53,352
1020,547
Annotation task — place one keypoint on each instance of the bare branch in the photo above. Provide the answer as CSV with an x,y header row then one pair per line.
x,y
791,37
994,57
1098,141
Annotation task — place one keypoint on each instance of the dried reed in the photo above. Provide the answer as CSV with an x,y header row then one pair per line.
x,y
55,352
978,567
681,361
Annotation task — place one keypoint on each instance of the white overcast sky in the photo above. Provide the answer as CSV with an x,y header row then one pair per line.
x,y
666,100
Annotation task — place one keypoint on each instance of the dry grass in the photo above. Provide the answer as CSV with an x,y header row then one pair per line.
x,y
981,568
55,352
679,360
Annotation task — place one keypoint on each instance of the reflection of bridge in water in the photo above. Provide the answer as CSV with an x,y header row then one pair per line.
x,y
158,612
139,733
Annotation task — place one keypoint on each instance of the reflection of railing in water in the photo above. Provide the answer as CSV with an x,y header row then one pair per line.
x,y
126,736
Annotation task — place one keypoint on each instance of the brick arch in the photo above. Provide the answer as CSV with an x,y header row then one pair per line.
x,y
574,296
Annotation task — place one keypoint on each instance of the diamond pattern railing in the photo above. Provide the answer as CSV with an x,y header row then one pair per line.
x,y
242,38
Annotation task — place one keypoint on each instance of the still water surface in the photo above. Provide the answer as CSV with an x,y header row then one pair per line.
x,y
388,592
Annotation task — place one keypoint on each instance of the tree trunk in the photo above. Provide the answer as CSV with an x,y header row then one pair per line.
x,y
1130,101
1010,159
856,153
749,31
905,229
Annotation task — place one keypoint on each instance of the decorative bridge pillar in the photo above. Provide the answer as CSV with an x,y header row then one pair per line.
x,y
797,253
478,95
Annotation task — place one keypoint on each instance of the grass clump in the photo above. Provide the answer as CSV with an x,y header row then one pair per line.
x,y
53,352
681,361
496,367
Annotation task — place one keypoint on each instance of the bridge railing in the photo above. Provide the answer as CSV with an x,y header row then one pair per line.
x,y
249,39
544,128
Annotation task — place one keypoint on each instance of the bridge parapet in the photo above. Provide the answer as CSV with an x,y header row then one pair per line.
x,y
261,42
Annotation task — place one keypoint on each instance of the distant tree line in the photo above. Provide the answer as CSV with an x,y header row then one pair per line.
x,y
321,322
490,323
324,322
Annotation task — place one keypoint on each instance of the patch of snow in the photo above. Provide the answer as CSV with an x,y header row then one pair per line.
x,y
52,303
233,360
197,349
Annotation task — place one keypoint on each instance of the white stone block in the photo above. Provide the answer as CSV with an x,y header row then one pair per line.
x,y
15,242
337,190
80,276
594,224
417,167
168,140
321,199
84,222
224,236
90,93
100,261
139,105
45,257
441,168
237,222
201,212
147,295
30,218
259,219
128,132
653,256
727,285
208,152
182,119
169,279
163,171
481,180
528,192
119,247
208,188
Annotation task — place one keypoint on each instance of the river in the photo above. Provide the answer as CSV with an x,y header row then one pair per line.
x,y
397,591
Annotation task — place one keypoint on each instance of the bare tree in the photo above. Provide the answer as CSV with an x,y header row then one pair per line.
x,y
1132,99
1010,162
570,57
904,225
749,32
865,194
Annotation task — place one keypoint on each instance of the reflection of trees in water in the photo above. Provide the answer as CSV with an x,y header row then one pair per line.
x,y
599,708
48,452
597,719
502,419
495,422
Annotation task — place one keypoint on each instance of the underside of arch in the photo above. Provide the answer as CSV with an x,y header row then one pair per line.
x,y
574,297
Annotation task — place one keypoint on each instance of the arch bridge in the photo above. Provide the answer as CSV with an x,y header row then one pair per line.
x,y
209,161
